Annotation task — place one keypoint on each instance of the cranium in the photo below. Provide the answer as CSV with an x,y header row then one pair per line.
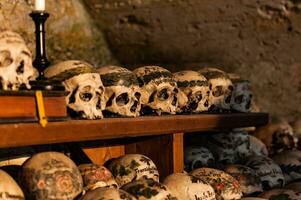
x,y
257,147
197,157
221,88
107,194
294,186
269,172
281,194
15,62
86,91
188,187
9,189
297,130
196,90
226,187
132,167
52,176
122,94
158,89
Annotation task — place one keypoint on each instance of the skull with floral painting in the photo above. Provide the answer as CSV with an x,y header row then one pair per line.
x,y
107,194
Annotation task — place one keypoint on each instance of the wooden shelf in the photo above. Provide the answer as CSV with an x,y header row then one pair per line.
x,y
25,134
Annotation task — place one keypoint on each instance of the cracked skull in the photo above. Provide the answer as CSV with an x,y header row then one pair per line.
x,y
122,94
221,88
158,89
196,90
86,91
15,62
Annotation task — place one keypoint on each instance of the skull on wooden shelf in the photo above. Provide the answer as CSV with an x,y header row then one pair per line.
x,y
281,194
149,189
122,94
51,175
195,88
132,167
9,189
221,88
197,157
257,147
107,194
226,187
158,89
269,172
86,91
15,62
248,179
188,187
95,176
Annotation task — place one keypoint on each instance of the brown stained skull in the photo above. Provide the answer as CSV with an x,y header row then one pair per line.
x,y
9,189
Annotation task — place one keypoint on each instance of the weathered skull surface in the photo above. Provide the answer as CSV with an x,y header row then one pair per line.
x,y
281,194
158,89
132,167
15,62
257,147
107,194
122,94
196,90
9,189
248,179
197,157
290,163
188,187
269,172
149,189
226,187
95,176
221,88
51,175
86,91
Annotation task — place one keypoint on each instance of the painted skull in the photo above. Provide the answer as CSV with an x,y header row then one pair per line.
x,y
188,187
158,89
281,194
107,194
269,172
122,94
15,62
196,90
197,157
257,147
86,91
149,189
9,189
51,175
95,176
221,88
132,167
226,187
248,179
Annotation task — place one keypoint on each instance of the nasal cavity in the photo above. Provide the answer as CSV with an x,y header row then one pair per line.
x,y
20,69
122,99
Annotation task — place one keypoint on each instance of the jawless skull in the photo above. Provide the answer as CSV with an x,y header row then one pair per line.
x,y
86,91
15,62
122,94
158,89
221,88
196,90
9,189
197,157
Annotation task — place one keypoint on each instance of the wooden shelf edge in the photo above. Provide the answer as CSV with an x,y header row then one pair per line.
x,y
26,134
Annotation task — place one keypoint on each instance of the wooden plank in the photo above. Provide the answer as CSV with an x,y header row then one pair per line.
x,y
24,134
178,152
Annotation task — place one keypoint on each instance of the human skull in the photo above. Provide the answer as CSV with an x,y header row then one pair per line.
x,y
269,172
122,94
294,186
51,175
107,194
297,130
158,89
149,189
281,194
132,167
188,187
226,187
196,90
197,157
248,179
257,147
9,189
86,91
290,163
95,176
221,88
15,62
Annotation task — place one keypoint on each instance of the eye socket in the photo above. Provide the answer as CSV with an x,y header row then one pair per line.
x,y
163,95
218,91
20,69
137,95
239,99
122,99
5,58
86,95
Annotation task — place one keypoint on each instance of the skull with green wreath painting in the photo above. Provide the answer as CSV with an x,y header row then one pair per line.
x,y
86,91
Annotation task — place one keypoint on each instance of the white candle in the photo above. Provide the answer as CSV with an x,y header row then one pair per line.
x,y
39,5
